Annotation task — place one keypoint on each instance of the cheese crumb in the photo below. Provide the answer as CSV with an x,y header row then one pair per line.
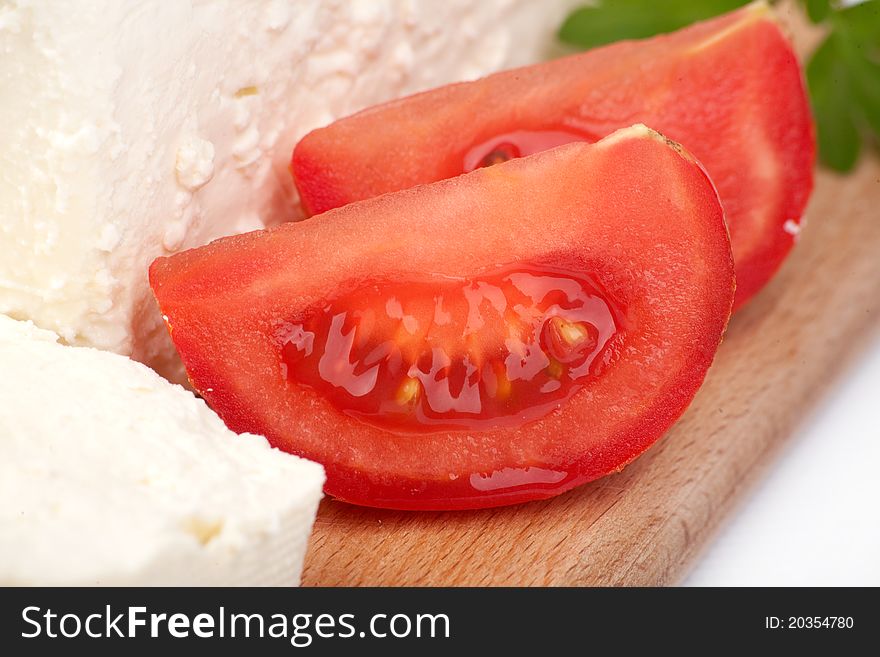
x,y
195,163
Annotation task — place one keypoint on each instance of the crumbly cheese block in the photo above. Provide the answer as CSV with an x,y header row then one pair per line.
x,y
135,128
110,475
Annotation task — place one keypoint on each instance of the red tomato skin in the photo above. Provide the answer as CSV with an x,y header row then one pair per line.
x,y
730,90
639,217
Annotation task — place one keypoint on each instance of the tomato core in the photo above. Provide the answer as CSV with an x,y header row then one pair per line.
x,y
437,354
519,143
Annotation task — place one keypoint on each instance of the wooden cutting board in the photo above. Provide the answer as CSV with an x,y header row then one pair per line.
x,y
645,525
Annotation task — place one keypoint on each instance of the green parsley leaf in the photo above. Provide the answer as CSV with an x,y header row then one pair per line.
x,y
817,10
613,20
843,77
830,89
859,23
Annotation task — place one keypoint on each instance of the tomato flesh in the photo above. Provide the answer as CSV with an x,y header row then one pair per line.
x,y
497,350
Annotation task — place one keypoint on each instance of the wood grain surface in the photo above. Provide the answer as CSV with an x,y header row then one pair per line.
x,y
645,525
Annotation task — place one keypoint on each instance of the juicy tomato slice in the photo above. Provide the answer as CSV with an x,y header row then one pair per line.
x,y
490,339
497,350
730,90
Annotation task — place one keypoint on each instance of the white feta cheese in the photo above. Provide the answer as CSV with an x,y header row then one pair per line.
x,y
111,475
134,128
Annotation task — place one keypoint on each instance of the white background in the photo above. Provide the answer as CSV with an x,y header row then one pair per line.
x,y
815,517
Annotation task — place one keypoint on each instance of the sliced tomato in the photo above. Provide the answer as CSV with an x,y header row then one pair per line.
x,y
730,90
494,338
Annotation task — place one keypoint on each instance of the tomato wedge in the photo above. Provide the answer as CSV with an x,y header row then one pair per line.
x,y
730,90
485,340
